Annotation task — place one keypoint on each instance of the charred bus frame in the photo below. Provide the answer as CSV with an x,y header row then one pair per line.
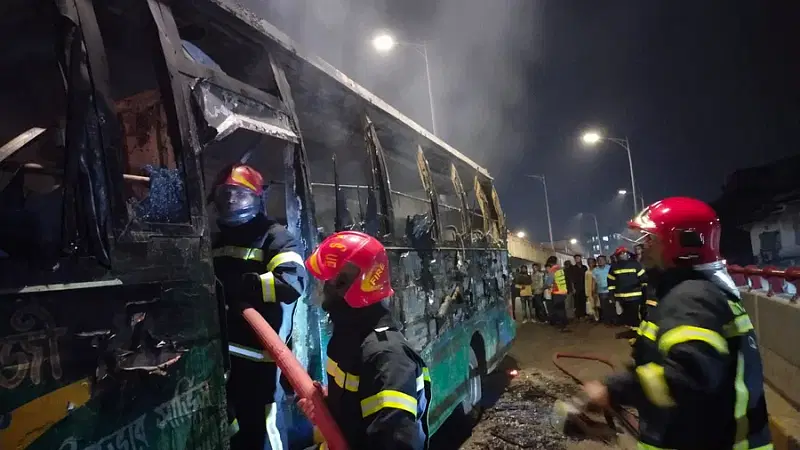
x,y
126,317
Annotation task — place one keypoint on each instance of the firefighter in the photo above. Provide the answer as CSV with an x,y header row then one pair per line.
x,y
697,378
378,386
259,265
626,281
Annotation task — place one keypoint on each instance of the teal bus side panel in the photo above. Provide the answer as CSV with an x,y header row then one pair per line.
x,y
422,280
112,367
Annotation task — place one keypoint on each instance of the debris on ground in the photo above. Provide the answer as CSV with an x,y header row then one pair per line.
x,y
521,418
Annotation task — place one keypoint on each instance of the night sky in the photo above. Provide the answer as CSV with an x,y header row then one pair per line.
x,y
700,88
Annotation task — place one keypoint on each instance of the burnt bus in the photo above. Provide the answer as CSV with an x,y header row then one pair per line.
x,y
116,117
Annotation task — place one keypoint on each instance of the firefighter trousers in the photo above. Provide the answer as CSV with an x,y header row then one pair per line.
x,y
252,391
630,311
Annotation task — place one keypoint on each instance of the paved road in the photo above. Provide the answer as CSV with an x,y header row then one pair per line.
x,y
533,352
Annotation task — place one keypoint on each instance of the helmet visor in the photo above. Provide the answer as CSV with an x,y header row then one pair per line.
x,y
341,283
235,204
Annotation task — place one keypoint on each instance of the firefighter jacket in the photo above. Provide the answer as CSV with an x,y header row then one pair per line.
x,y
650,296
258,264
627,280
697,378
379,389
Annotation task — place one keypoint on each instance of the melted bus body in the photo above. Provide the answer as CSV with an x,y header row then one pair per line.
x,y
116,117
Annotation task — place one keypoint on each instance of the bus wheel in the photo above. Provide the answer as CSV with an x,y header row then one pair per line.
x,y
472,402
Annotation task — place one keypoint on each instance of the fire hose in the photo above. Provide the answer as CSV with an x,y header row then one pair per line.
x,y
297,377
628,420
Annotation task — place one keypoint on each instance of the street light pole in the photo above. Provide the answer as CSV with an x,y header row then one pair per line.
x,y
547,208
385,42
626,145
593,137
597,232
430,90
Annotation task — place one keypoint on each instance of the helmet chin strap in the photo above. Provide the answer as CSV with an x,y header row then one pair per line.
x,y
717,273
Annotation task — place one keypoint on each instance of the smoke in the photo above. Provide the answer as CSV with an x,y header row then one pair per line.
x,y
482,55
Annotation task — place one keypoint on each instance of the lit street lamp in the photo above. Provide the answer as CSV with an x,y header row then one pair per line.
x,y
384,43
593,137
573,241
547,208
622,192
521,234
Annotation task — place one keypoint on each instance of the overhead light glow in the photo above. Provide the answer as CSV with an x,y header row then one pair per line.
x,y
591,137
383,42
622,192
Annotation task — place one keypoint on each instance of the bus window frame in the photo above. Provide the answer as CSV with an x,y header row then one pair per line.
x,y
161,30
381,181
424,169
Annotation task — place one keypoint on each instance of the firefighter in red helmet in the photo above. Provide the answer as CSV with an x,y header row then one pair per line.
x,y
697,378
627,282
378,386
258,264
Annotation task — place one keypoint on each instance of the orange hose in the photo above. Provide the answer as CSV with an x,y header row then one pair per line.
x,y
297,377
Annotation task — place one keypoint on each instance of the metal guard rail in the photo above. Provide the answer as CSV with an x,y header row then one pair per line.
x,y
753,276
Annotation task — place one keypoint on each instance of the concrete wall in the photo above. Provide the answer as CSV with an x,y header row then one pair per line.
x,y
524,249
777,324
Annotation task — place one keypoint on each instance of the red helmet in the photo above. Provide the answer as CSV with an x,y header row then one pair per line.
x,y
243,176
689,229
237,194
620,249
359,262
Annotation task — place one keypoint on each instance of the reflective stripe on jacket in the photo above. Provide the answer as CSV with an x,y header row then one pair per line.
x,y
379,389
697,377
627,280
265,251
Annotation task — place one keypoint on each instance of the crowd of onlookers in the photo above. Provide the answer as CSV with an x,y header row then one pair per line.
x,y
610,290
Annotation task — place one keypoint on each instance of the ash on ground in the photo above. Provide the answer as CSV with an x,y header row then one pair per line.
x,y
521,417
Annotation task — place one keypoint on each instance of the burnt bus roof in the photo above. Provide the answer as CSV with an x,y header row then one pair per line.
x,y
323,94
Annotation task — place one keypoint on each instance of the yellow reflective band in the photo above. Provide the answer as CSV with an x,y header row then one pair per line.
x,y
351,382
344,380
283,258
621,271
640,273
388,399
628,294
644,284
233,428
651,303
425,376
268,287
686,333
738,326
611,277
643,446
737,308
742,398
648,330
611,288
248,254
318,437
250,353
654,385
